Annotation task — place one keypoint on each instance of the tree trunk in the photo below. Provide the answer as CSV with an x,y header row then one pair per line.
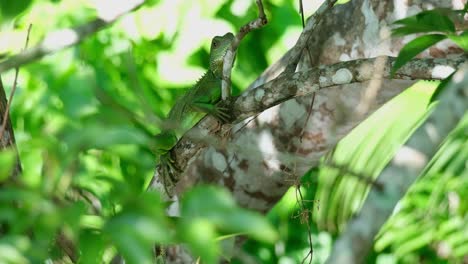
x,y
259,158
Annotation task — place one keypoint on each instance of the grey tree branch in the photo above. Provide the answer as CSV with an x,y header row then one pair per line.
x,y
289,86
306,82
402,171
231,53
64,38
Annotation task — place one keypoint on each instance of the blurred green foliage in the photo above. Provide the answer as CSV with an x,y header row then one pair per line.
x,y
84,119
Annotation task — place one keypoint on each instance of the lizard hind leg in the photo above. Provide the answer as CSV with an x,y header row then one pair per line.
x,y
168,170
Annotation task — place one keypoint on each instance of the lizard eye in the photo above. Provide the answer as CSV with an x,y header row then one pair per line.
x,y
215,44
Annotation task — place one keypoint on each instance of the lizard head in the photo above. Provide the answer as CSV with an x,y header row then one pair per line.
x,y
219,47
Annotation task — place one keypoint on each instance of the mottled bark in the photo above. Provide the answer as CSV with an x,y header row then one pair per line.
x,y
255,162
8,139
258,159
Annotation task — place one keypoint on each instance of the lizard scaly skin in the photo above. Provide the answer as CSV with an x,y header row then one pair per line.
x,y
202,97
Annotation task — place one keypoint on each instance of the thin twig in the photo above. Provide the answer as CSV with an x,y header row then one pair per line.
x,y
303,214
298,188
246,123
309,113
301,43
67,246
306,218
311,106
61,39
231,53
13,89
301,11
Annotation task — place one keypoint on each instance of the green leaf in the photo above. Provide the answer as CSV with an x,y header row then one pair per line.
x,y
426,21
217,206
91,222
440,88
414,47
7,161
91,246
13,8
164,141
12,248
461,40
101,135
206,201
201,235
139,225
417,240
128,234
151,3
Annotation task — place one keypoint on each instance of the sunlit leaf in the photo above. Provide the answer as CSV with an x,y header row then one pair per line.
x,y
92,245
13,8
200,234
461,40
217,206
414,47
440,88
7,162
12,249
140,225
426,21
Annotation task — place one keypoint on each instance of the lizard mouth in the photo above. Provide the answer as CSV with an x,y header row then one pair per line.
x,y
217,65
217,57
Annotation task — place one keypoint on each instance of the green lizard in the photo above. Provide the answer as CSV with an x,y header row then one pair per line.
x,y
202,97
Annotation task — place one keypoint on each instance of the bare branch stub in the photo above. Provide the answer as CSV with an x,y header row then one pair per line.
x,y
231,53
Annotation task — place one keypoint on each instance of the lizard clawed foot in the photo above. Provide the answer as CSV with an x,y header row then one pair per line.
x,y
168,170
222,113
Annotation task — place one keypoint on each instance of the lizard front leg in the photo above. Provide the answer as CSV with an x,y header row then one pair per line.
x,y
207,105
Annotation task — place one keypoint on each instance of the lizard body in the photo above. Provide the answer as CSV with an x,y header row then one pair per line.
x,y
202,97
